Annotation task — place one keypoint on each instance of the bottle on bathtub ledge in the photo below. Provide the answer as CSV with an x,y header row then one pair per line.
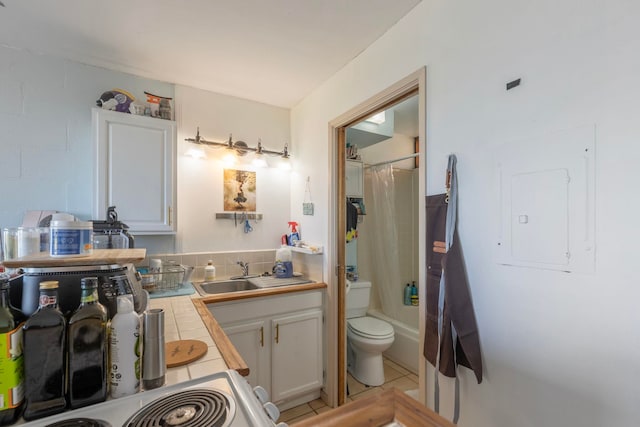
x,y
414,294
407,295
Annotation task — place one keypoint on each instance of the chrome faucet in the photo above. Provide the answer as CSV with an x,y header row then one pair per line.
x,y
245,267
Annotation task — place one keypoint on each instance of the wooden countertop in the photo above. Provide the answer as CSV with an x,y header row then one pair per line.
x,y
97,257
264,292
229,353
378,410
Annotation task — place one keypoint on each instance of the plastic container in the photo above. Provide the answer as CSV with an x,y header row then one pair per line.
x,y
414,294
209,272
155,267
284,267
294,236
283,254
23,241
124,351
70,238
407,295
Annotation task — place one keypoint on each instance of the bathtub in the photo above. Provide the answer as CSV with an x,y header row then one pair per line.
x,y
404,350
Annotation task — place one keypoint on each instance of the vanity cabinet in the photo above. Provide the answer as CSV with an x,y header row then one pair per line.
x,y
135,170
296,354
281,340
248,339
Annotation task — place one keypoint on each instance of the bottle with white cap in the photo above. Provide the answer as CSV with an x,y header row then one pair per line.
x,y
209,272
124,351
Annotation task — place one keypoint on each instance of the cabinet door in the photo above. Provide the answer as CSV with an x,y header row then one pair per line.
x,y
296,354
250,341
135,170
353,179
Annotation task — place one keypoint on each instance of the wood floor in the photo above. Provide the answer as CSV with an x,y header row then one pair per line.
x,y
394,376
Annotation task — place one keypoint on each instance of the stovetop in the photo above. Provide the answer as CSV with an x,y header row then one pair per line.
x,y
223,399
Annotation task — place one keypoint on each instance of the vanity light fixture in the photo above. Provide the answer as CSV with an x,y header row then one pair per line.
x,y
240,147
259,160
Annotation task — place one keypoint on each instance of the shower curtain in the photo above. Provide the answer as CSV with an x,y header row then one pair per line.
x,y
381,216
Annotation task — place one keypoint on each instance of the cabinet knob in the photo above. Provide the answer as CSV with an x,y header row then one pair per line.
x,y
277,333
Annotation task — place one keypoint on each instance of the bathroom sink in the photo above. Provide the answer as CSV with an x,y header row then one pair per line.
x,y
224,286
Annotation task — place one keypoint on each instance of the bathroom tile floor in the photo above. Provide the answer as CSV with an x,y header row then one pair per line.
x,y
394,376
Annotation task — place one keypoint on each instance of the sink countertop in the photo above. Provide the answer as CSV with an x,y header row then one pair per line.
x,y
187,317
182,321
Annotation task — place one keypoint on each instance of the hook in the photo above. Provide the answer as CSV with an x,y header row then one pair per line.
x,y
247,226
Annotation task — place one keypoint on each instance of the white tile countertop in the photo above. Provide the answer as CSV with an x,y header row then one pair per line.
x,y
187,317
181,322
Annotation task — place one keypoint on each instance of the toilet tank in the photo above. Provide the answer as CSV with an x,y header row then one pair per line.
x,y
358,299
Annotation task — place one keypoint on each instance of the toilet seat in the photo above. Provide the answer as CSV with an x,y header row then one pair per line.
x,y
370,327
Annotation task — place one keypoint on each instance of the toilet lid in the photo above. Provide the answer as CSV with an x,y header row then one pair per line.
x,y
370,327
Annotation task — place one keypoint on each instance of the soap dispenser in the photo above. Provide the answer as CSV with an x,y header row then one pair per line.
x,y
209,272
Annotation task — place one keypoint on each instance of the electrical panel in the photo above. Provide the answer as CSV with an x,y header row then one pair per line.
x,y
546,202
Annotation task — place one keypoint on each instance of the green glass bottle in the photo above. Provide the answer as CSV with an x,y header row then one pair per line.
x,y
44,356
11,359
87,348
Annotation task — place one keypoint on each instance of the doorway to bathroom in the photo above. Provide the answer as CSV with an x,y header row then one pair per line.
x,y
382,247
379,183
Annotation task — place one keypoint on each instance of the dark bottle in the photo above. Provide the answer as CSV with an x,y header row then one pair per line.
x,y
11,359
7,323
87,348
44,356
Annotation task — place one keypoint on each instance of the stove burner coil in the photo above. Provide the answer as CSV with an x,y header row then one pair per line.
x,y
80,422
198,407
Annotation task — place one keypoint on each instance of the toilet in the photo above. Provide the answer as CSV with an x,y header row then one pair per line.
x,y
367,337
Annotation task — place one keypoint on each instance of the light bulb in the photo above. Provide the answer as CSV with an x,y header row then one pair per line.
x,y
229,159
196,153
259,161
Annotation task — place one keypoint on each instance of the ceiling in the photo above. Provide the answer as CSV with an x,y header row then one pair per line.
x,y
274,51
403,116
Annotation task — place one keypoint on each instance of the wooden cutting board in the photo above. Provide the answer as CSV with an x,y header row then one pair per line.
x,y
178,353
98,257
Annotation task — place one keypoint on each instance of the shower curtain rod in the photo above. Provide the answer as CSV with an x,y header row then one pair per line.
x,y
394,160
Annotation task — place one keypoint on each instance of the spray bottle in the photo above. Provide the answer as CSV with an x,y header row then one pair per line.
x,y
294,236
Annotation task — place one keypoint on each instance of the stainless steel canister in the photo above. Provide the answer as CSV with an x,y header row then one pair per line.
x,y
154,366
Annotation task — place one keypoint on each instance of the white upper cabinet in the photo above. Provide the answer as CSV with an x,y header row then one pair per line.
x,y
354,185
135,170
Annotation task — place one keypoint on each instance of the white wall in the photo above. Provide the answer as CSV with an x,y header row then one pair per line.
x,y
559,348
46,151
200,188
45,131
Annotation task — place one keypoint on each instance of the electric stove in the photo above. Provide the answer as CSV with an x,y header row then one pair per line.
x,y
223,399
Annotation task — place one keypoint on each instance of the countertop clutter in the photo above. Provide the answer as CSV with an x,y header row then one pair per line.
x,y
189,317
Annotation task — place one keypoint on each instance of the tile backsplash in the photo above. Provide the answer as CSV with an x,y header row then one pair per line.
x,y
260,261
